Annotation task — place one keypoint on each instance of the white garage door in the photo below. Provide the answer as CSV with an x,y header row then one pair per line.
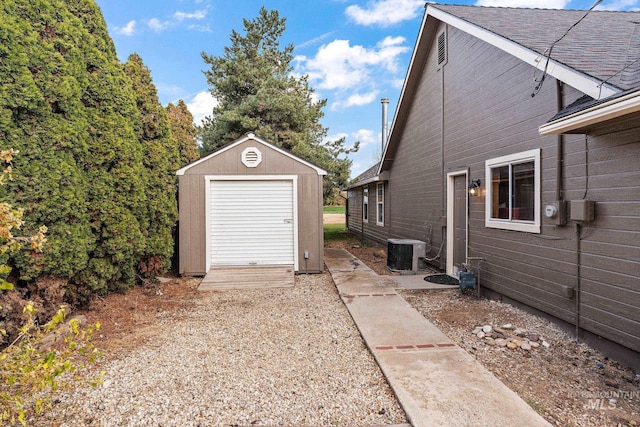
x,y
251,222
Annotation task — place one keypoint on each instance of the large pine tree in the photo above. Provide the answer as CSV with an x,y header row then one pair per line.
x,y
257,92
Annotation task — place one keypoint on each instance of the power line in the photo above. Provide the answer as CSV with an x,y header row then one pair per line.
x,y
546,65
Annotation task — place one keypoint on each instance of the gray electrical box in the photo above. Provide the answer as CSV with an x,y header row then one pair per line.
x,y
582,210
556,212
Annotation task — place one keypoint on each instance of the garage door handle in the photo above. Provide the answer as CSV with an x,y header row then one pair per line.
x,y
288,221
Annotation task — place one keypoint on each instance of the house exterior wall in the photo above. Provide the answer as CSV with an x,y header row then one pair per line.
x,y
478,107
371,229
192,220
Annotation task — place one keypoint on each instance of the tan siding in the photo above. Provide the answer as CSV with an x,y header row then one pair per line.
x,y
192,210
192,225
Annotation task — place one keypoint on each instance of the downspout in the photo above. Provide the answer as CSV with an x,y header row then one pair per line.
x,y
578,278
443,202
559,144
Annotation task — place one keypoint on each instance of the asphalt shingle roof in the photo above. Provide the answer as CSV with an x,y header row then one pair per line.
x,y
605,45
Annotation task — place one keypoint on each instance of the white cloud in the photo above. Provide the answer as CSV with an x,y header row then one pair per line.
x,y
335,137
356,100
177,18
127,30
540,4
198,14
365,136
201,106
385,12
315,40
156,25
619,5
338,65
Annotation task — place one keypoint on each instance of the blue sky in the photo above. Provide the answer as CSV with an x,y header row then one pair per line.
x,y
355,52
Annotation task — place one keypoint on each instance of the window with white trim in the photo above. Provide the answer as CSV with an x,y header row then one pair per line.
x,y
513,192
365,204
380,204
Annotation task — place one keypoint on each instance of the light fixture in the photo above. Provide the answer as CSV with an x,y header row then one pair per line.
x,y
474,187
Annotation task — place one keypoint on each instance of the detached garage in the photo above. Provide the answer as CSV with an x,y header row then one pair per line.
x,y
250,203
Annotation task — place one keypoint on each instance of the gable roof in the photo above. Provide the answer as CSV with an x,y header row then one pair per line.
x,y
600,46
598,57
370,175
247,137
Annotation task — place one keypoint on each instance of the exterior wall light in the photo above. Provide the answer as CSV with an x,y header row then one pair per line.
x,y
474,187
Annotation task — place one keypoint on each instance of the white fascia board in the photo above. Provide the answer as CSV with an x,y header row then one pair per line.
x,y
583,82
247,137
384,176
609,110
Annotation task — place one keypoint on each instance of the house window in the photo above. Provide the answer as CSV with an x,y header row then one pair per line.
x,y
365,204
380,204
513,192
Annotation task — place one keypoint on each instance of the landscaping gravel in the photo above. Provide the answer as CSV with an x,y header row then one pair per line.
x,y
252,357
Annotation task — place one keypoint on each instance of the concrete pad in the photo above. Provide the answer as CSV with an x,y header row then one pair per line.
x,y
340,260
450,388
416,281
363,282
390,320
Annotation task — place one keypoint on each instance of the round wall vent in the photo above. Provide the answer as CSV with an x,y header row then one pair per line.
x,y
251,157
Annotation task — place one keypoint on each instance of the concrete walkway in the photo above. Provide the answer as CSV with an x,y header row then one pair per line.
x,y
436,381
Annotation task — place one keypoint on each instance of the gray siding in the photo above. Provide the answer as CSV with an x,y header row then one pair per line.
x,y
478,107
369,230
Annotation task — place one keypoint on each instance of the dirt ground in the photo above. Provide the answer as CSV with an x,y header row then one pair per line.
x,y
569,383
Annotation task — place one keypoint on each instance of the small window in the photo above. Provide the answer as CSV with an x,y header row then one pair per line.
x,y
442,48
513,192
365,204
380,204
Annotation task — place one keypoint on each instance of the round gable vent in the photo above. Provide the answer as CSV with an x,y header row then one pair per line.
x,y
251,157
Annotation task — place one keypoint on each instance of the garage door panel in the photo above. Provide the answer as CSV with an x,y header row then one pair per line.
x,y
251,222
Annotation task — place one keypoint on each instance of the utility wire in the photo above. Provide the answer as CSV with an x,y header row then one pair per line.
x,y
613,75
550,50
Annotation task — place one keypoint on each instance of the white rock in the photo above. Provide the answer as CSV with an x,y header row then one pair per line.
x,y
546,344
507,326
487,329
481,334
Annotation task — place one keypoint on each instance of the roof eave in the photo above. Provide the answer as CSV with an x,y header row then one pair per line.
x,y
592,116
384,176
253,137
581,81
585,83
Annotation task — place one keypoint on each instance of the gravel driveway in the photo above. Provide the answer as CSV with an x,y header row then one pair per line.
x,y
251,357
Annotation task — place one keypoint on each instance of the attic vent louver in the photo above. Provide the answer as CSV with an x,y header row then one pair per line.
x,y
442,48
251,157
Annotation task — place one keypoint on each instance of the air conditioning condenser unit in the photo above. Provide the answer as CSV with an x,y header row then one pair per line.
x,y
405,254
